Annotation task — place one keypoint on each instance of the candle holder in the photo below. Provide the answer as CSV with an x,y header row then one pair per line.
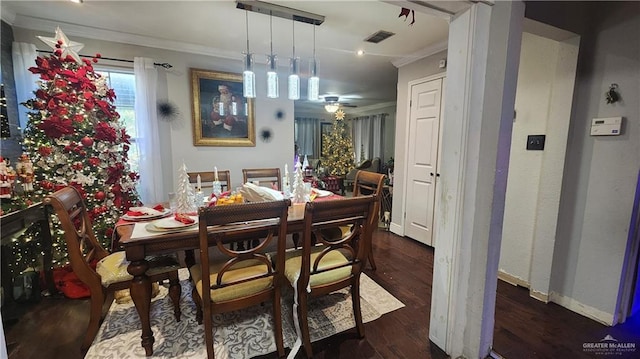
x,y
217,188
199,198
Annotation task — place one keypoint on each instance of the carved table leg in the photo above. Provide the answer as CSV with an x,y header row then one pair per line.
x,y
141,295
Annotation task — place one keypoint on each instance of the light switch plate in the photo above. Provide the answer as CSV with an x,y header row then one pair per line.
x,y
535,142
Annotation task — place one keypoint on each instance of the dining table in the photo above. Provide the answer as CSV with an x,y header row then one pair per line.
x,y
139,244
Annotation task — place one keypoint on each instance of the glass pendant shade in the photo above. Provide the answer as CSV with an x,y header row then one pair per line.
x,y
313,90
273,90
248,77
294,80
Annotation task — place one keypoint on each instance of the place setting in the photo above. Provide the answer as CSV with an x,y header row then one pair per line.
x,y
140,214
177,222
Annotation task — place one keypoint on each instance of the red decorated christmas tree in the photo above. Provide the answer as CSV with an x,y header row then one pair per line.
x,y
74,137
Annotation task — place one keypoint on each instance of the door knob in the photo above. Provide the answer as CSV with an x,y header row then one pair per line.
x,y
431,174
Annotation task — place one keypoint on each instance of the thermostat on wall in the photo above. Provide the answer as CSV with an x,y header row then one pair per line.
x,y
609,126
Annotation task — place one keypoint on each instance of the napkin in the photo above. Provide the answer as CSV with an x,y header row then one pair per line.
x,y
135,213
144,211
184,218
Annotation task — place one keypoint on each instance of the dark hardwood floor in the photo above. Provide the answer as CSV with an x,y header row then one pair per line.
x,y
524,327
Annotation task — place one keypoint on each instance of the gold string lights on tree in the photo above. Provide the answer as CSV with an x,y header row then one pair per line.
x,y
337,152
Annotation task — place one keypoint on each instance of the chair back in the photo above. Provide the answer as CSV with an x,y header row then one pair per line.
x,y
82,246
207,178
354,212
220,225
265,176
370,183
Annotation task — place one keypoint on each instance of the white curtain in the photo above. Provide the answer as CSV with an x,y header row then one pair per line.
x,y
368,137
151,187
24,56
307,137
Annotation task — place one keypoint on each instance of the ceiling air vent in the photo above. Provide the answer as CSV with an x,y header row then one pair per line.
x,y
379,36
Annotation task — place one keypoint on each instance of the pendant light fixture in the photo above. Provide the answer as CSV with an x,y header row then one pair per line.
x,y
273,90
294,77
313,90
248,76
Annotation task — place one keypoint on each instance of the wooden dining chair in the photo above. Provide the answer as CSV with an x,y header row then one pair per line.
x,y
243,278
110,273
207,178
332,263
265,176
370,183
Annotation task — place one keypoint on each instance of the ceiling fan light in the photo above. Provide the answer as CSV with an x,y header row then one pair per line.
x,y
331,107
273,90
248,77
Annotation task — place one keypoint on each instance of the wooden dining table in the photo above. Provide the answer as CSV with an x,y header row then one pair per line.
x,y
138,248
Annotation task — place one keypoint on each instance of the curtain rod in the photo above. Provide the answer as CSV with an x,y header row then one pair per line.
x,y
166,65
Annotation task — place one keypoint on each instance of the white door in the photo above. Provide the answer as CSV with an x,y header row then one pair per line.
x,y
424,126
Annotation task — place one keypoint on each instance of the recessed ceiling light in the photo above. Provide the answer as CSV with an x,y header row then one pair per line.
x,y
76,1
360,52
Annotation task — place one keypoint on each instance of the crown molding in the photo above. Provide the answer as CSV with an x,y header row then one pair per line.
x,y
8,16
363,109
38,24
421,54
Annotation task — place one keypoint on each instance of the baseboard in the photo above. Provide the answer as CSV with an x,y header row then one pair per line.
x,y
543,297
511,279
582,309
396,228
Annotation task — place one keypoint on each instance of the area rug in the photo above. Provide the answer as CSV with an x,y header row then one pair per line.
x,y
240,334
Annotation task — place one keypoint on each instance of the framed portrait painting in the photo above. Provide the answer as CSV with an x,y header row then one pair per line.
x,y
221,115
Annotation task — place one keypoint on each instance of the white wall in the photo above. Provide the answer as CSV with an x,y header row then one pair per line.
x,y
600,172
179,133
413,71
538,60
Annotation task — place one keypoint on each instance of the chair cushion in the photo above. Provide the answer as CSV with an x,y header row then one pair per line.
x,y
336,232
293,262
113,268
241,270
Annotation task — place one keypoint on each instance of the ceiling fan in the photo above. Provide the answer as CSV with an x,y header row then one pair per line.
x,y
333,103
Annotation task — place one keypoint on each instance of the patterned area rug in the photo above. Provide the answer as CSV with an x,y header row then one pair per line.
x,y
241,334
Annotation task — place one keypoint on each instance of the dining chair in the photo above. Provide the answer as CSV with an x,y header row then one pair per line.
x,y
265,176
110,273
332,263
370,183
242,278
207,178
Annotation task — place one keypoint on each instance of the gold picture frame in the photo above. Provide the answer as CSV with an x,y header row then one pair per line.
x,y
221,115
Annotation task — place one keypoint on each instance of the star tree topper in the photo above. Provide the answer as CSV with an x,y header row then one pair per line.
x,y
339,115
66,46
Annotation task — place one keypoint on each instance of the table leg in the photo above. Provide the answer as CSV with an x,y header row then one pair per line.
x,y
141,295
47,254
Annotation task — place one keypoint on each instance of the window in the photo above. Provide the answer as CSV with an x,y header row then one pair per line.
x,y
124,85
